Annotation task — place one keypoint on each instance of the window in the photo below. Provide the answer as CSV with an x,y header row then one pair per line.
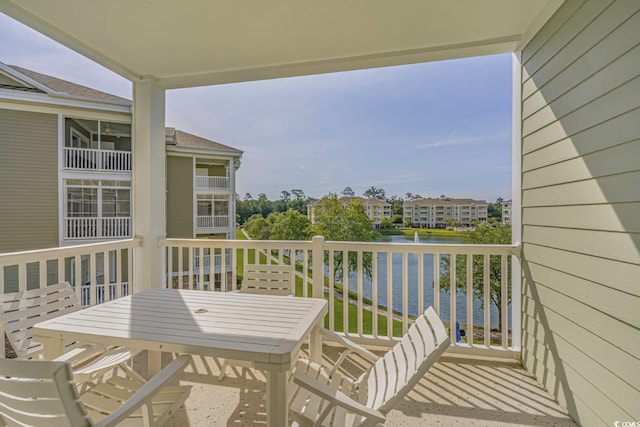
x,y
205,205
221,205
77,140
96,134
116,202
98,198
218,205
82,202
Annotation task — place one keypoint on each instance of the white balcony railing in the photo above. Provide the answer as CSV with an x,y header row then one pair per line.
x,y
212,182
404,279
216,221
97,160
76,228
86,267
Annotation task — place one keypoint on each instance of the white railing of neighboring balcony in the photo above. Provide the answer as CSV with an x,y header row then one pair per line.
x,y
404,279
217,221
98,160
20,271
212,182
90,266
96,228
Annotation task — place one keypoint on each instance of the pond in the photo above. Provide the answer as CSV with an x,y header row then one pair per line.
x,y
412,261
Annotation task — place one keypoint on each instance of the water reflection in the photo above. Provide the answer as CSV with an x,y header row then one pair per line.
x,y
395,296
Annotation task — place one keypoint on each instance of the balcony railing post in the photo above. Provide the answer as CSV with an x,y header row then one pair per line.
x,y
317,254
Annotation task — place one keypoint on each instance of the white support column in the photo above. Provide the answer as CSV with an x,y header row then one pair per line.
x,y
149,161
232,198
516,202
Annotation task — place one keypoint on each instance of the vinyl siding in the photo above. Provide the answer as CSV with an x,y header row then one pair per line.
x,y
28,180
581,209
179,197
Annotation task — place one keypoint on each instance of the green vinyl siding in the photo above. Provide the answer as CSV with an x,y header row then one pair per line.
x,y
28,180
581,209
180,197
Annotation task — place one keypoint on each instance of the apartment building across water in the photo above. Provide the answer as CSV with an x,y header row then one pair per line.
x,y
436,213
376,209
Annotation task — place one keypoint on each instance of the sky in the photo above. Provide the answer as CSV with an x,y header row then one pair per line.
x,y
430,129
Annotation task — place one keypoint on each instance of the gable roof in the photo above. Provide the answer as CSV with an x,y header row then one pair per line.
x,y
58,86
187,140
31,81
443,202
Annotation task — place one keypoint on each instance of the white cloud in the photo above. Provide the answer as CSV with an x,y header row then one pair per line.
x,y
462,140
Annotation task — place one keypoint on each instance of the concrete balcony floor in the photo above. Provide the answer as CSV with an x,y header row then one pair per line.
x,y
456,391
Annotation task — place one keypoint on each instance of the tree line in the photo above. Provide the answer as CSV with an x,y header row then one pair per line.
x,y
338,222
333,220
297,200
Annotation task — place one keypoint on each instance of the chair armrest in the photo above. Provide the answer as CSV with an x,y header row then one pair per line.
x,y
147,391
337,398
350,345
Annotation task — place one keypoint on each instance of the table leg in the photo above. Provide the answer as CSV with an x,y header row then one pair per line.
x,y
277,405
154,363
315,345
53,347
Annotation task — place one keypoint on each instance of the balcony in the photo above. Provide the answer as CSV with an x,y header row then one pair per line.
x,y
479,381
212,221
97,160
80,228
455,391
209,183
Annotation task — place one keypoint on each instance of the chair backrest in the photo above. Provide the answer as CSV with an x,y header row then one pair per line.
x,y
19,311
268,279
39,393
400,369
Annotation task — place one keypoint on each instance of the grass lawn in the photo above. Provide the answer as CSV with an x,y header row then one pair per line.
x,y
367,315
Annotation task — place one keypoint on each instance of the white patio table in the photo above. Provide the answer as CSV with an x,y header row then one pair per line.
x,y
265,330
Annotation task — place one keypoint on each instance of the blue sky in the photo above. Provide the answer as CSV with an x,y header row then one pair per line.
x,y
433,128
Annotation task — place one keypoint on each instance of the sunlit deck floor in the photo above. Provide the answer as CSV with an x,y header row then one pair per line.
x,y
456,391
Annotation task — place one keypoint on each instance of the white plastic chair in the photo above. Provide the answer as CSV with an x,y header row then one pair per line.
x,y
42,393
20,311
268,279
265,279
322,397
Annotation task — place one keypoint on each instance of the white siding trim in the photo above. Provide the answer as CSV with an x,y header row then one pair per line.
x,y
516,200
61,201
43,100
232,199
93,113
194,209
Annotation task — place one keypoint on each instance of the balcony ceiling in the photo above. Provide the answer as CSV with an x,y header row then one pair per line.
x,y
193,43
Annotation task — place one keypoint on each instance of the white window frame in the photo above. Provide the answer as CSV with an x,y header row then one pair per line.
x,y
73,132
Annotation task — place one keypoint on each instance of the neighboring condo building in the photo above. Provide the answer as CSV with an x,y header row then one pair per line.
x,y
506,212
376,209
434,213
71,147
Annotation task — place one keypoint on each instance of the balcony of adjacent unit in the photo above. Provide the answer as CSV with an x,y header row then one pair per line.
x,y
211,178
212,215
96,210
96,146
